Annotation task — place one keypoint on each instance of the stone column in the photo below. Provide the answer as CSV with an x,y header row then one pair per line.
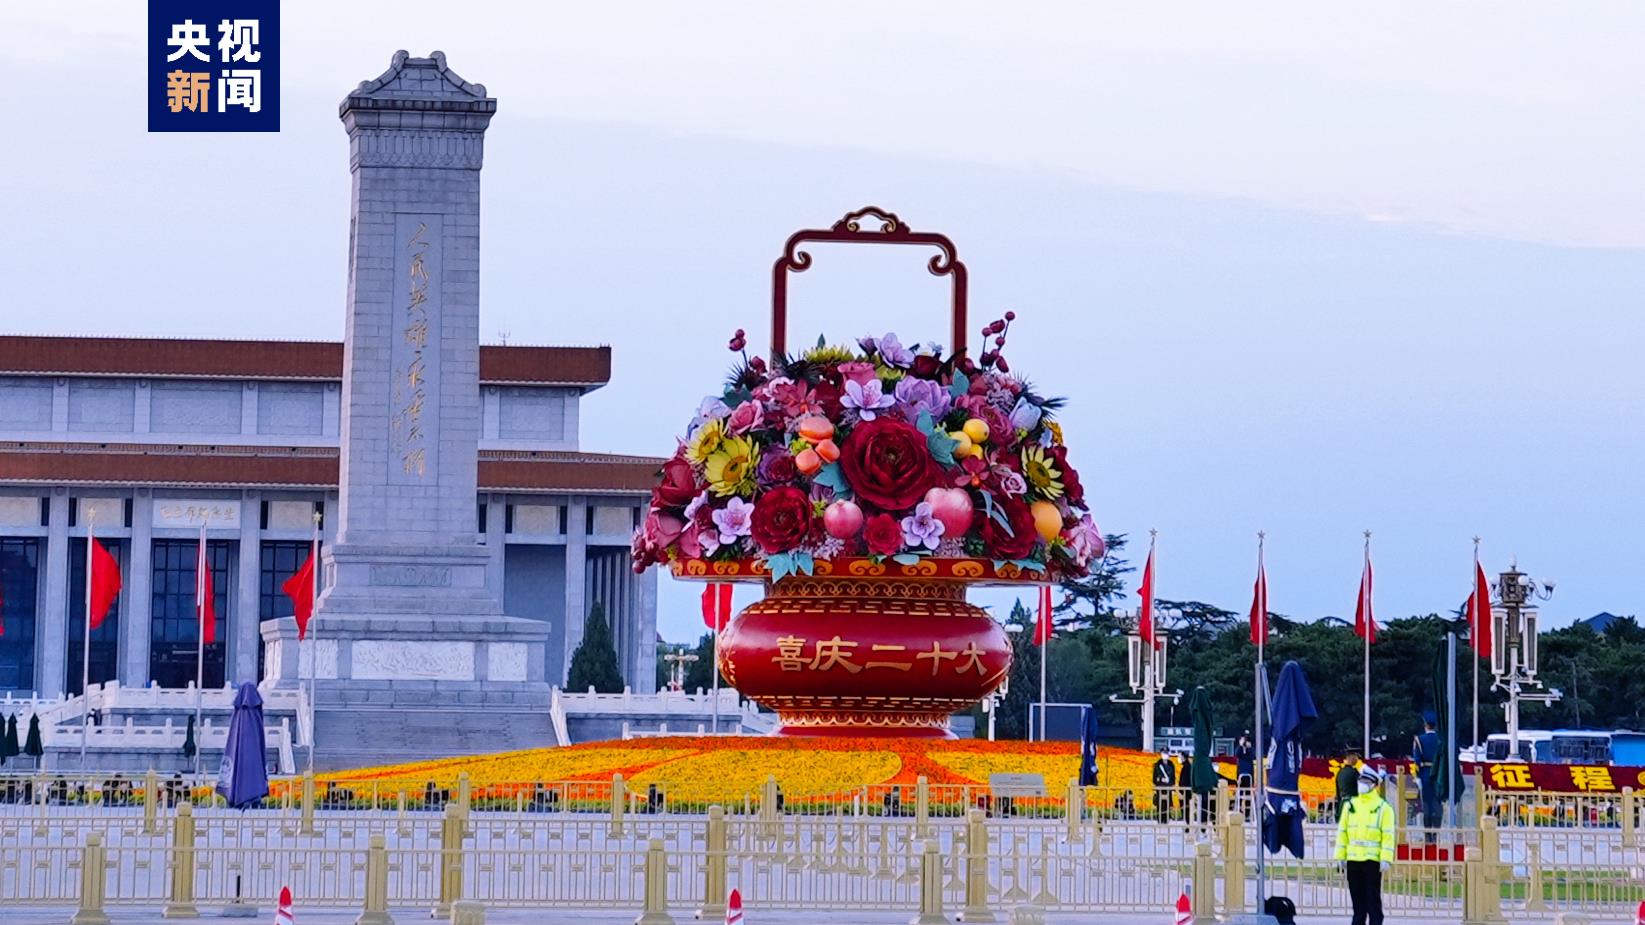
x,y
496,542
645,659
576,576
54,617
138,595
242,630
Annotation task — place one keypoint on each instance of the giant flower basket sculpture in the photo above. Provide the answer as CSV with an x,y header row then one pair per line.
x,y
867,486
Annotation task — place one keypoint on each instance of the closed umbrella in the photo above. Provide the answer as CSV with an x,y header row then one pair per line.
x,y
1088,747
1293,714
8,739
1205,770
242,779
1445,779
190,747
33,747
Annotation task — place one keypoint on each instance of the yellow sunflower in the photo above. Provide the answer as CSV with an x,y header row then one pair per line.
x,y
1041,472
705,440
730,470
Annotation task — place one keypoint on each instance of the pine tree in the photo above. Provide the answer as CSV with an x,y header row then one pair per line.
x,y
594,664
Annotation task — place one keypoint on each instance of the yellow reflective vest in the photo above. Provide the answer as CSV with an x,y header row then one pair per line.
x,y
1365,829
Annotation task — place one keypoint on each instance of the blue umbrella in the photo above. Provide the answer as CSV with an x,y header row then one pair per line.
x,y
1088,747
242,779
1293,713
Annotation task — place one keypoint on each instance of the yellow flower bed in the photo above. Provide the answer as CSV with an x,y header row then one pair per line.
x,y
542,764
731,774
1057,770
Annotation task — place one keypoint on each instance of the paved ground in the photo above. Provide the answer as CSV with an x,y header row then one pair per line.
x,y
151,916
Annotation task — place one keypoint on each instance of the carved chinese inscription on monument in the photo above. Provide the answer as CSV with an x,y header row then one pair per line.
x,y
415,350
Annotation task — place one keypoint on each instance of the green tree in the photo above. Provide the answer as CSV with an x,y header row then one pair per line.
x,y
594,664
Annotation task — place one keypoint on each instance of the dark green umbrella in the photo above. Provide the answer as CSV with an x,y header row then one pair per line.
x,y
1205,770
1444,771
33,748
8,739
189,748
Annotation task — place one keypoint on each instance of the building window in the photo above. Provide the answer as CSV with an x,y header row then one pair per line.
x,y
105,639
19,583
280,561
174,629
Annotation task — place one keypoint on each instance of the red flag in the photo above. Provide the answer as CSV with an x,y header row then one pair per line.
x,y
1185,909
205,606
1259,607
734,908
1043,628
717,606
1479,614
300,588
105,583
1145,618
1365,623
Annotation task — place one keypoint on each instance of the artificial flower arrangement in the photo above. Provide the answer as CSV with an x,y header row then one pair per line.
x,y
884,451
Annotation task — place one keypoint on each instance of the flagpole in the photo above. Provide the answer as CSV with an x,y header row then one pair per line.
x,y
1365,600
200,566
715,668
313,628
85,648
1045,649
1481,611
1259,802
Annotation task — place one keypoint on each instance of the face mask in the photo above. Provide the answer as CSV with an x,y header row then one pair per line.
x,y
1366,786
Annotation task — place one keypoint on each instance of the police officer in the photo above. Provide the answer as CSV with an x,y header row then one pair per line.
x,y
1165,781
1365,846
1425,752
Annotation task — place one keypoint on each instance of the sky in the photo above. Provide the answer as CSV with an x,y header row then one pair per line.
x,y
1309,270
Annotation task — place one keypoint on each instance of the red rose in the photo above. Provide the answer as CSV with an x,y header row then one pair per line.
x,y
999,543
925,366
887,464
883,535
827,395
1072,489
678,486
781,519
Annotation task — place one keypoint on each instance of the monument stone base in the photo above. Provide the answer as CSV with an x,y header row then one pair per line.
x,y
396,687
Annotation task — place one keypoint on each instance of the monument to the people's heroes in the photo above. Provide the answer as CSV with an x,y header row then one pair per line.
x,y
407,635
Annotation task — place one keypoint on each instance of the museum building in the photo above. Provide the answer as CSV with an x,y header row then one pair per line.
x,y
145,440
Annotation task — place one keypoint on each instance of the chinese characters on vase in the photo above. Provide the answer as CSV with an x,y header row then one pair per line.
x,y
829,653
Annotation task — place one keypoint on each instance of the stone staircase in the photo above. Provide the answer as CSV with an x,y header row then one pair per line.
x,y
426,733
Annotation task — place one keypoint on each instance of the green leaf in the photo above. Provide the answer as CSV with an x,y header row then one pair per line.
x,y
781,565
960,385
735,397
821,342
803,563
996,514
925,424
830,476
1031,565
905,558
941,446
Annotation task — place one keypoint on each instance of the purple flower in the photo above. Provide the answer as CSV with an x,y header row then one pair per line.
x,y
734,520
776,467
1025,415
921,528
711,409
917,395
1086,541
893,353
867,400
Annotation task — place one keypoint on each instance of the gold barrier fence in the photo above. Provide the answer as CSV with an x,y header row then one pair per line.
x,y
851,858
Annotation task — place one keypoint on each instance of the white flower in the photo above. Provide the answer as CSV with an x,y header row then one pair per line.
x,y
734,520
866,400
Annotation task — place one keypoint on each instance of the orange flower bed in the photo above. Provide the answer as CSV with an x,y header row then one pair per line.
x,y
725,768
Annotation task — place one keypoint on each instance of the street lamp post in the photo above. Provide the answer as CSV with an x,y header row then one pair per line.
x,y
677,660
1146,673
1514,657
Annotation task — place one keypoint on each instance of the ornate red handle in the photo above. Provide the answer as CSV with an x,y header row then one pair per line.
x,y
850,229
